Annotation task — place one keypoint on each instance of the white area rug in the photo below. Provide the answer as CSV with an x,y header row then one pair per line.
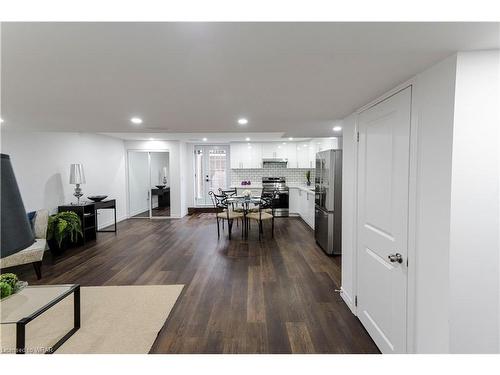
x,y
114,319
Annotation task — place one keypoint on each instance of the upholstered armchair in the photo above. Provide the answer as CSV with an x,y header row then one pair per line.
x,y
34,253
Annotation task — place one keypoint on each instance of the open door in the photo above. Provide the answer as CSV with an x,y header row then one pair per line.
x,y
383,170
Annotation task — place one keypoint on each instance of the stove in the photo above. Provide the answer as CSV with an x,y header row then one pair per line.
x,y
278,184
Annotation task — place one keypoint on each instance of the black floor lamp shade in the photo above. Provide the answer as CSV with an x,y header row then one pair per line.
x,y
16,233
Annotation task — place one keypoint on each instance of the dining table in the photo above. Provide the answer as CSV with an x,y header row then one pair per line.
x,y
244,201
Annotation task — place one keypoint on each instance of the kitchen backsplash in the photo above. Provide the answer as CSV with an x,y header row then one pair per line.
x,y
294,176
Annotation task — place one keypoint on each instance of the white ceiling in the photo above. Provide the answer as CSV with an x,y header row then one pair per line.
x,y
293,79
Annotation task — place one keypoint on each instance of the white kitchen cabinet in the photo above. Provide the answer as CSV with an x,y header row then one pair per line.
x,y
294,201
328,144
310,209
307,208
274,150
304,155
301,202
246,155
298,154
234,154
291,154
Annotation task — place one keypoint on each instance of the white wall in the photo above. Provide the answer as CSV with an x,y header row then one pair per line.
x,y
474,242
434,92
176,173
41,162
349,161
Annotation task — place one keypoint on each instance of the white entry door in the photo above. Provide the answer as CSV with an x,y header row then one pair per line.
x,y
383,169
211,171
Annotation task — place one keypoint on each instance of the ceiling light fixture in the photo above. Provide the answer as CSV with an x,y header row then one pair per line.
x,y
247,139
290,139
1,120
337,128
204,139
136,120
242,121
151,139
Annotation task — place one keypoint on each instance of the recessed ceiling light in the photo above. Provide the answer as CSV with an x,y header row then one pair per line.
x,y
151,139
242,121
337,128
247,139
1,120
284,143
136,120
204,139
290,139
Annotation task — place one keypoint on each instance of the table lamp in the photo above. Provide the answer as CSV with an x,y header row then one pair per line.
x,y
16,233
77,177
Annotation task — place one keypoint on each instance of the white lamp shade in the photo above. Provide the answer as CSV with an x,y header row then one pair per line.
x,y
76,174
165,172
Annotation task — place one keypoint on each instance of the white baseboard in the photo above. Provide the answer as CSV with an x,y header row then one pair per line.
x,y
349,301
111,222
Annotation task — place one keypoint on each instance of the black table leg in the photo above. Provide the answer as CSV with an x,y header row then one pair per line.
x,y
76,323
21,337
76,307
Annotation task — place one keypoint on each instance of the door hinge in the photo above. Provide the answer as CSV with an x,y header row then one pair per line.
x,y
357,137
356,301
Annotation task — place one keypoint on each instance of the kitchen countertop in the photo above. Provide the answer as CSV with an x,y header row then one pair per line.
x,y
308,189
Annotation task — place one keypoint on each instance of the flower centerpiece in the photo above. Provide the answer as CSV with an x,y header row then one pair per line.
x,y
246,193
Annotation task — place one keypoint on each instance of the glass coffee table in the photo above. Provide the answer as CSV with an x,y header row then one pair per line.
x,y
32,301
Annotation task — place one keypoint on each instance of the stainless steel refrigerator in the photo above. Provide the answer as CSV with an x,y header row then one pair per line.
x,y
328,201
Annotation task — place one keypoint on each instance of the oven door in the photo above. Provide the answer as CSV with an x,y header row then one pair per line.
x,y
281,204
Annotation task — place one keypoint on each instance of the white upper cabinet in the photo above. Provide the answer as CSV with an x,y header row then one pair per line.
x,y
291,151
274,150
328,144
298,154
246,155
304,153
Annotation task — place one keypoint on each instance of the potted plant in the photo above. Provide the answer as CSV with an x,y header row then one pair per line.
x,y
63,228
308,178
10,284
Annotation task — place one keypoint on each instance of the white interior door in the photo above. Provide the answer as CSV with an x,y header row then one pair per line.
x,y
383,170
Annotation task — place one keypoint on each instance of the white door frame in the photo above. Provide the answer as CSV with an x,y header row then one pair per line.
x,y
412,208
228,168
150,198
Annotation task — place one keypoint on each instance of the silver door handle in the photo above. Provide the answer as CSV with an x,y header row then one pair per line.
x,y
396,258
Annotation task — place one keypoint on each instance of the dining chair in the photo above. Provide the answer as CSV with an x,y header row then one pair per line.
x,y
225,212
269,193
265,212
231,193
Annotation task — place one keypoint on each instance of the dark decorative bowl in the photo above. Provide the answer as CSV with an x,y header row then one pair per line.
x,y
160,186
97,198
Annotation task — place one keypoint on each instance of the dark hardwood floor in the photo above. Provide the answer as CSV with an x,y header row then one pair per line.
x,y
240,296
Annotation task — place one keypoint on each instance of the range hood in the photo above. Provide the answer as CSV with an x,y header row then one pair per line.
x,y
274,161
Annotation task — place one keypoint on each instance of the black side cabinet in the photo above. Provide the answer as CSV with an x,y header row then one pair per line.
x,y
87,213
